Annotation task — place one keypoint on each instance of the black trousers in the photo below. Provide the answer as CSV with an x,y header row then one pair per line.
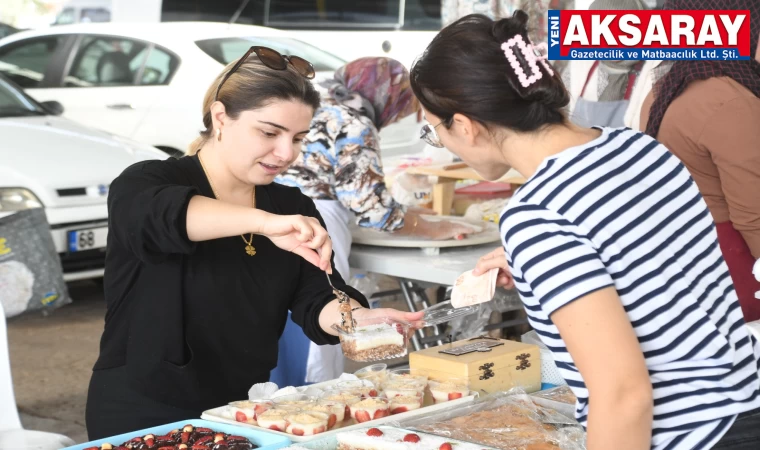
x,y
114,407
744,434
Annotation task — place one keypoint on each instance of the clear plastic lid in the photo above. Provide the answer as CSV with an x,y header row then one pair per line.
x,y
443,312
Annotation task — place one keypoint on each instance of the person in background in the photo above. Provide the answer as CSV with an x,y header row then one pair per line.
x,y
610,246
341,170
708,114
603,97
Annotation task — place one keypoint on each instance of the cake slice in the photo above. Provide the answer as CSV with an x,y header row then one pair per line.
x,y
393,439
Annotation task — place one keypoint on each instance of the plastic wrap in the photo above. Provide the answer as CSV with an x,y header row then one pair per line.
x,y
508,420
472,325
560,399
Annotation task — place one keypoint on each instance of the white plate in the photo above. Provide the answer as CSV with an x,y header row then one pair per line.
x,y
215,415
86,239
367,236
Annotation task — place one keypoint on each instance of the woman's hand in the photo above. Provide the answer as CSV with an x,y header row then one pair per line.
x,y
497,259
301,235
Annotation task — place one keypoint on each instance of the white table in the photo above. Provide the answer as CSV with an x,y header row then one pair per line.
x,y
413,269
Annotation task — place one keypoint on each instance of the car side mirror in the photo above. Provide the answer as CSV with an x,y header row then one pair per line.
x,y
53,107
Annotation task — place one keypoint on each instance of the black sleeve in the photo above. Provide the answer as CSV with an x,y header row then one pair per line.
x,y
314,292
147,210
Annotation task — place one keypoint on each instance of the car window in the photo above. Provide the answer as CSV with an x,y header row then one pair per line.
x,y
25,62
13,102
67,16
317,12
422,15
94,15
226,50
106,61
159,66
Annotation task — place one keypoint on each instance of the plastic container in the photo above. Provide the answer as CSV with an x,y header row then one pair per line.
x,y
275,418
265,441
444,312
448,390
365,388
417,376
307,423
396,388
376,373
406,401
375,339
293,401
245,411
370,409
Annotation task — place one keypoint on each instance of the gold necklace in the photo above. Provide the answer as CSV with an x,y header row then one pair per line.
x,y
249,248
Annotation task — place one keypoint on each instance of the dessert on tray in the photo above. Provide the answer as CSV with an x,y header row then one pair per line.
x,y
335,410
188,437
246,411
403,388
374,339
307,423
408,375
346,398
365,388
394,439
451,389
404,403
370,409
274,419
376,373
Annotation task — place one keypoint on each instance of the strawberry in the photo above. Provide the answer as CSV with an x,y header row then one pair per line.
x,y
362,416
241,417
260,409
455,395
445,446
203,440
400,329
413,438
236,438
374,432
149,442
373,393
348,411
274,427
204,430
320,430
332,421
399,410
166,448
297,431
137,439
199,447
185,437
380,413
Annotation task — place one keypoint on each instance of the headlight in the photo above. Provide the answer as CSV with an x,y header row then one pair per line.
x,y
16,199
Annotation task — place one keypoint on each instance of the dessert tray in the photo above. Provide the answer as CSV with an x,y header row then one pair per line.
x,y
487,233
386,437
224,414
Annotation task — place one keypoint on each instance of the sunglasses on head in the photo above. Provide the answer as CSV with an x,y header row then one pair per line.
x,y
272,59
429,135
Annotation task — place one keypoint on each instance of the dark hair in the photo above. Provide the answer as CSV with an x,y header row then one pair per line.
x,y
464,70
254,86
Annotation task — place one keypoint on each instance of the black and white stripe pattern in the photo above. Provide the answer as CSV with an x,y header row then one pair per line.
x,y
623,211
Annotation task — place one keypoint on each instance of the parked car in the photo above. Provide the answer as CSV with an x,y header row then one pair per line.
x,y
147,82
7,30
66,168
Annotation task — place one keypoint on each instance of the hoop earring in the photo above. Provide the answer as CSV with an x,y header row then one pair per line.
x,y
218,135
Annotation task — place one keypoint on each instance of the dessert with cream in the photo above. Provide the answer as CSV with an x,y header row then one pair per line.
x,y
346,398
370,409
403,388
189,437
335,410
394,439
375,342
403,403
246,411
307,423
274,419
376,373
365,388
449,390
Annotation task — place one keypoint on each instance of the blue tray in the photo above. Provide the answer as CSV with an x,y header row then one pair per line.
x,y
265,441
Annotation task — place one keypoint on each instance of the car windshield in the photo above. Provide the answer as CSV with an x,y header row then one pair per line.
x,y
226,50
14,103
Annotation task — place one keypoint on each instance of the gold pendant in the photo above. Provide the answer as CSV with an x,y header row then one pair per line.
x,y
250,250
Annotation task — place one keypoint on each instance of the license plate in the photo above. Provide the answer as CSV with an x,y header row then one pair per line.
x,y
87,239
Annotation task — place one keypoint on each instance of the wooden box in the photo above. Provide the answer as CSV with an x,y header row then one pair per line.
x,y
493,365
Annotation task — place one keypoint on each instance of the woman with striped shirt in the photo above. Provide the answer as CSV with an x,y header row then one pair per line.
x,y
609,243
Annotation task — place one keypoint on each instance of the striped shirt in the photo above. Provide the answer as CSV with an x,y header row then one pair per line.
x,y
623,211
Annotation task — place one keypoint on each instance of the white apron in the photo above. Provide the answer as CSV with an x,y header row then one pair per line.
x,y
589,113
325,362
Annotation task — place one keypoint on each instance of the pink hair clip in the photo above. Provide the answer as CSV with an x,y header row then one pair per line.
x,y
529,53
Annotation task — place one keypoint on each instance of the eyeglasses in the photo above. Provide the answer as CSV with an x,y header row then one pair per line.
x,y
272,59
429,135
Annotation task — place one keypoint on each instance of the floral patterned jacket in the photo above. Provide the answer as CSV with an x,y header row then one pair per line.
x,y
341,161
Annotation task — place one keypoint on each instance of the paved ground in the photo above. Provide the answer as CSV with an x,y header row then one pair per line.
x,y
51,361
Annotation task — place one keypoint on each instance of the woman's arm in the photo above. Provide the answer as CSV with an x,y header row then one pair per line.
x,y
604,348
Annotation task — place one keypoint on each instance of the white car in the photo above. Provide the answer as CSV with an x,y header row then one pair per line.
x,y
66,168
147,81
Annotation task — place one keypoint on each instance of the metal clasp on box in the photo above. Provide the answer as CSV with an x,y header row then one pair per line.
x,y
487,372
524,363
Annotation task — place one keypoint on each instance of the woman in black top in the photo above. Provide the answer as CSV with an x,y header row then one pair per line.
x,y
206,256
